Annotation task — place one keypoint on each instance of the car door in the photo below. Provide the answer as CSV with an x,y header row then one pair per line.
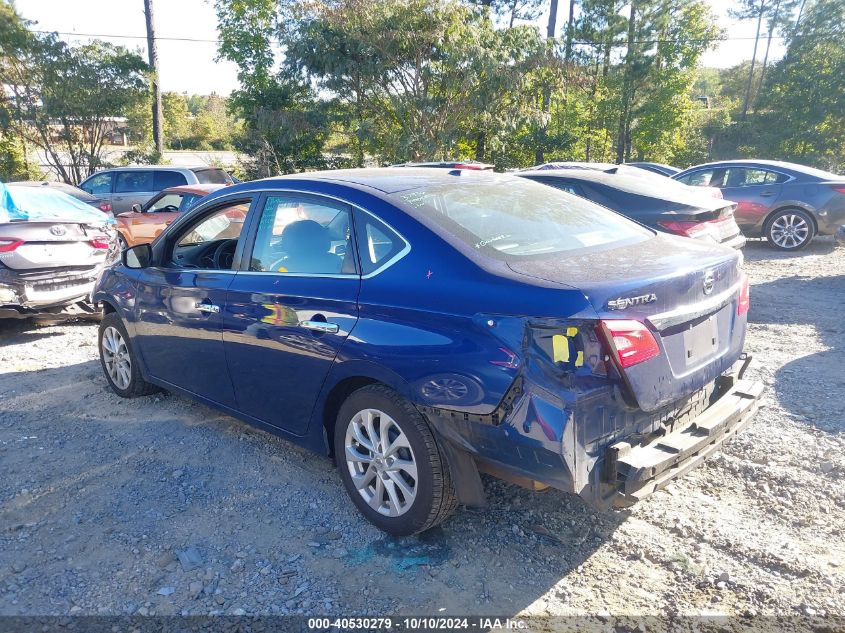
x,y
99,185
132,186
291,307
754,190
179,309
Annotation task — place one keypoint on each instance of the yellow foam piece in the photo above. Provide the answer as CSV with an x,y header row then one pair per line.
x,y
560,348
571,331
579,360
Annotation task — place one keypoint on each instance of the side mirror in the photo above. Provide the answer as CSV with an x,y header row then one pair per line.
x,y
136,208
140,256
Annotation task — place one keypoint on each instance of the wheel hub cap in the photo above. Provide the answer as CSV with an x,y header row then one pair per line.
x,y
790,231
381,462
116,358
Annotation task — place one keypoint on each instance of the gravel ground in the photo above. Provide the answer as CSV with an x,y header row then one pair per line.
x,y
163,506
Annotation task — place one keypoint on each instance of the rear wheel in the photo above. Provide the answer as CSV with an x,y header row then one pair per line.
x,y
790,229
119,362
391,464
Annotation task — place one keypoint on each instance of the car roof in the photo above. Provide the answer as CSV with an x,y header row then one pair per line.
x,y
385,179
202,190
168,167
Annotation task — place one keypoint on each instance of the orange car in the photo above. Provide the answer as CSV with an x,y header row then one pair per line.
x,y
143,224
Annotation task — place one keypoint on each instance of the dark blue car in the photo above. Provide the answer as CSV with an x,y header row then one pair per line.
x,y
425,325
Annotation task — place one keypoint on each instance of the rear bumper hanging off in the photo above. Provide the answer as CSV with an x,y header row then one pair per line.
x,y
642,470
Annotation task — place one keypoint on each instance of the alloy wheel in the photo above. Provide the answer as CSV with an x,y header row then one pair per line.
x,y
381,462
116,358
789,230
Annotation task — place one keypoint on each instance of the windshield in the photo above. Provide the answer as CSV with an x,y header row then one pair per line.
x,y
512,217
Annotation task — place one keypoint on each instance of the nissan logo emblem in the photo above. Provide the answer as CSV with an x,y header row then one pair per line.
x,y
709,282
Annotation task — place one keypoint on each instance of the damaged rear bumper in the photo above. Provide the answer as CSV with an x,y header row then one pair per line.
x,y
641,470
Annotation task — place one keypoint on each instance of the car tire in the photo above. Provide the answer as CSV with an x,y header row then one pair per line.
x,y
405,487
118,360
790,229
121,242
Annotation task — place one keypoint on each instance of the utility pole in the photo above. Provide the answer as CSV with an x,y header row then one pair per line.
x,y
152,50
747,100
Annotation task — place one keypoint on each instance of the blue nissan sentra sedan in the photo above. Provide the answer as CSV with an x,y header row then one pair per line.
x,y
422,326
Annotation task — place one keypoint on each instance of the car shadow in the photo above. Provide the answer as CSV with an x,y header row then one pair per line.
x,y
759,249
797,310
118,484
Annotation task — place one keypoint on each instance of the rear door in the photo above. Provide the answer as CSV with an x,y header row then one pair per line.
x,y
291,307
754,190
132,186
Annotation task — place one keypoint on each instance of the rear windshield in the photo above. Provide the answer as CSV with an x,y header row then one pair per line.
x,y
213,176
513,217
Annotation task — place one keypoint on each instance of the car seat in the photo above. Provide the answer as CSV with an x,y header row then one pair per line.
x,y
307,247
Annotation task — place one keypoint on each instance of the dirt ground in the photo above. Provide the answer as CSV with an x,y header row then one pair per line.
x,y
163,506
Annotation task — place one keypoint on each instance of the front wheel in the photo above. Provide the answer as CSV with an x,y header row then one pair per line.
x,y
790,229
119,363
390,462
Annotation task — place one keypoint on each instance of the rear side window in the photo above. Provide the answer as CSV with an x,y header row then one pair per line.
x,y
377,243
513,217
131,181
98,184
165,179
212,176
701,178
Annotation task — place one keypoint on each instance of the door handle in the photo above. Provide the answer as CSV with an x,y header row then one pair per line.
x,y
207,307
767,194
320,326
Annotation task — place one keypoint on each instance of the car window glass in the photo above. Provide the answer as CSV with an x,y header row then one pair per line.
x,y
101,183
377,244
165,179
188,200
303,235
773,177
210,242
212,176
514,217
131,181
699,178
171,200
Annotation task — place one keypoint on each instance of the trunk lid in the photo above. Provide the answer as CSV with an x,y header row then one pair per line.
x,y
685,291
52,244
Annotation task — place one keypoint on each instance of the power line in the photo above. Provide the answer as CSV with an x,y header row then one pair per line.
x,y
577,42
126,37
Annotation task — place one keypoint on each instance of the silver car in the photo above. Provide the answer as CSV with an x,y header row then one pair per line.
x,y
48,263
125,187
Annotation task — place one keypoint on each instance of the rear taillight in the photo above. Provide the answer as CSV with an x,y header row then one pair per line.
x,y
105,207
744,302
687,229
99,243
8,244
632,342
839,188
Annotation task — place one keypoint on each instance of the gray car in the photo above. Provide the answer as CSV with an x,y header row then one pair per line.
x,y
786,203
127,186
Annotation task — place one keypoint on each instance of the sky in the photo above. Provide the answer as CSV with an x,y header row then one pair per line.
x,y
190,66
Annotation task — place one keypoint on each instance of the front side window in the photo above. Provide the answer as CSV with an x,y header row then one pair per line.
x,y
299,234
211,241
700,178
513,217
133,181
168,202
98,184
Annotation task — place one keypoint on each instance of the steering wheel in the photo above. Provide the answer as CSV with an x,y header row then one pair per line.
x,y
224,254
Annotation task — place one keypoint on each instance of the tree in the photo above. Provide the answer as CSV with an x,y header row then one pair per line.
x,y
804,101
64,99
